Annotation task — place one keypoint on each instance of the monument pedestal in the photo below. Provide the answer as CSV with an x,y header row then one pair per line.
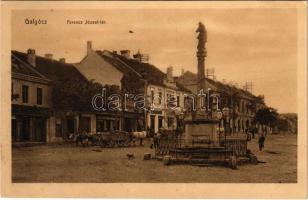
x,y
201,132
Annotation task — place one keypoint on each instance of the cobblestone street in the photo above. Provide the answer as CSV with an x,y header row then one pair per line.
x,y
67,163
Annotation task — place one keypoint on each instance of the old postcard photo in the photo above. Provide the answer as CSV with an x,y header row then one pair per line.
x,y
154,98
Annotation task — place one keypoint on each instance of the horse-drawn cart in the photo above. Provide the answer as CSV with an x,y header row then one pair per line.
x,y
115,139
105,139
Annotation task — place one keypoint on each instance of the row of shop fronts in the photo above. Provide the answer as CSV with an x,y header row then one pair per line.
x,y
29,123
33,124
35,118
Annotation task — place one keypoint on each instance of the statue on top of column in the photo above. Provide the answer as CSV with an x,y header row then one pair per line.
x,y
202,37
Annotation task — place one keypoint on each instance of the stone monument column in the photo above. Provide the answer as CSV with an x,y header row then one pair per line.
x,y
201,55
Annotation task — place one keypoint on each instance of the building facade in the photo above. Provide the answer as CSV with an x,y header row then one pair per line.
x,y
35,116
30,103
135,76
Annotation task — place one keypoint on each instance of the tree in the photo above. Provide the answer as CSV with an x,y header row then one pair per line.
x,y
75,95
266,116
282,124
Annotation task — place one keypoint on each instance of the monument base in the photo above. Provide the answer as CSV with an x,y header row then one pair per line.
x,y
201,133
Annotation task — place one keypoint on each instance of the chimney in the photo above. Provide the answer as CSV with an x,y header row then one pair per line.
x,y
89,46
125,53
62,60
31,58
48,56
138,56
170,74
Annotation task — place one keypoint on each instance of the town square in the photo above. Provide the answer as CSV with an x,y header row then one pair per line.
x,y
194,97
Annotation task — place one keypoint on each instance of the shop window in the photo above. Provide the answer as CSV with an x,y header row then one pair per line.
x,y
100,125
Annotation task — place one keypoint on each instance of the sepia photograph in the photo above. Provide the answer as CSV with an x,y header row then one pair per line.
x,y
174,94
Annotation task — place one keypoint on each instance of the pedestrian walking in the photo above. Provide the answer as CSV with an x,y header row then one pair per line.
x,y
156,140
261,141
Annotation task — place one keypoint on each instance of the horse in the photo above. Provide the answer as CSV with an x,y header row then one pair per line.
x,y
140,135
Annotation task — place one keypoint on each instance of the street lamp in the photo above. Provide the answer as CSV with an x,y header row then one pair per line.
x,y
225,113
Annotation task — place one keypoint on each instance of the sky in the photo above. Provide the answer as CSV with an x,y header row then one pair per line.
x,y
251,44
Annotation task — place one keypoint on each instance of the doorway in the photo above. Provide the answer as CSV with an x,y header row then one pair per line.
x,y
127,125
85,124
39,130
25,129
152,125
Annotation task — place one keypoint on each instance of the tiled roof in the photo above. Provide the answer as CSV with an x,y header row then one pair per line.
x,y
145,71
182,87
190,78
148,71
52,69
21,67
115,61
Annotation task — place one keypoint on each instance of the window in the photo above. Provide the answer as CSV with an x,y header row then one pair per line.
x,y
39,96
171,101
25,94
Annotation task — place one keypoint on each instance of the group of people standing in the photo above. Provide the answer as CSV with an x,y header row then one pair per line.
x,y
251,132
